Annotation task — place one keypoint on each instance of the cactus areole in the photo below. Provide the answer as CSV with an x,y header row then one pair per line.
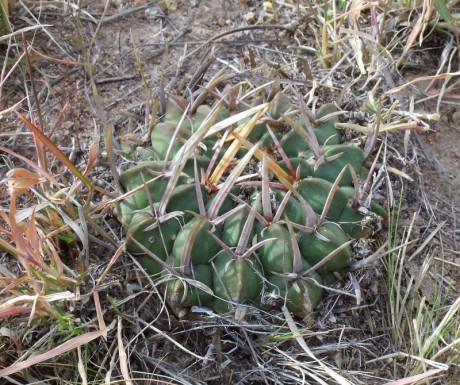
x,y
236,203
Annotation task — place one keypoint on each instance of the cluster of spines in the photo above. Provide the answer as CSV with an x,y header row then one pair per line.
x,y
286,239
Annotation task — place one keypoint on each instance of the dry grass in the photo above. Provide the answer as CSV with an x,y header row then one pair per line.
x,y
74,308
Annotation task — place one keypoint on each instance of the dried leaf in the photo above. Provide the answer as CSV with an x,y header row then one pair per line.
x,y
93,151
21,180
357,46
14,310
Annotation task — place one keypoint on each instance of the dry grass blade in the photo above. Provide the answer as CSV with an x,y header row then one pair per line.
x,y
427,241
27,256
109,147
22,299
176,133
448,75
10,249
10,109
113,260
417,378
24,30
122,354
216,79
93,151
99,312
13,310
380,253
180,346
298,337
81,367
56,151
63,348
453,311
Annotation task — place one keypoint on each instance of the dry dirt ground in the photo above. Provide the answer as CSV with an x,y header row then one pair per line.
x,y
143,47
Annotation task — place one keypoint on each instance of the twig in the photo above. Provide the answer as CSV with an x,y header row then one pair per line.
x,y
123,13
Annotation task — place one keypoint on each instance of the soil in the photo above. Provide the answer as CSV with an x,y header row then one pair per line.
x,y
165,45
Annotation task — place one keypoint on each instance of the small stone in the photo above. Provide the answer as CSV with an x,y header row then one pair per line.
x,y
456,117
250,17
152,14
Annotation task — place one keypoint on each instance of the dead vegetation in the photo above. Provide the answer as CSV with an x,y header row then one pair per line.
x,y
78,76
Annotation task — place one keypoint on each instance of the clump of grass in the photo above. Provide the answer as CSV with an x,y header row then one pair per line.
x,y
43,224
46,221
425,332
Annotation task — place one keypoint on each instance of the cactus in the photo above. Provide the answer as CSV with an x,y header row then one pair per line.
x,y
216,233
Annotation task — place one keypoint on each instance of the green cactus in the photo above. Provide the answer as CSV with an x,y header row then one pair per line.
x,y
301,296
237,280
195,291
217,238
315,191
326,239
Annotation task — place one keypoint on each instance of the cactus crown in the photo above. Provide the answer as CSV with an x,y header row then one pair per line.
x,y
241,203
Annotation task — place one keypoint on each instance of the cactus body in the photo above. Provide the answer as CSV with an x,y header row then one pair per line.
x,y
277,255
293,209
185,293
331,169
238,280
233,228
188,225
300,295
203,247
326,239
315,191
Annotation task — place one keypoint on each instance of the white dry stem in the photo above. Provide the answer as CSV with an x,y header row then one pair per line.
x,y
297,335
81,367
122,353
65,295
